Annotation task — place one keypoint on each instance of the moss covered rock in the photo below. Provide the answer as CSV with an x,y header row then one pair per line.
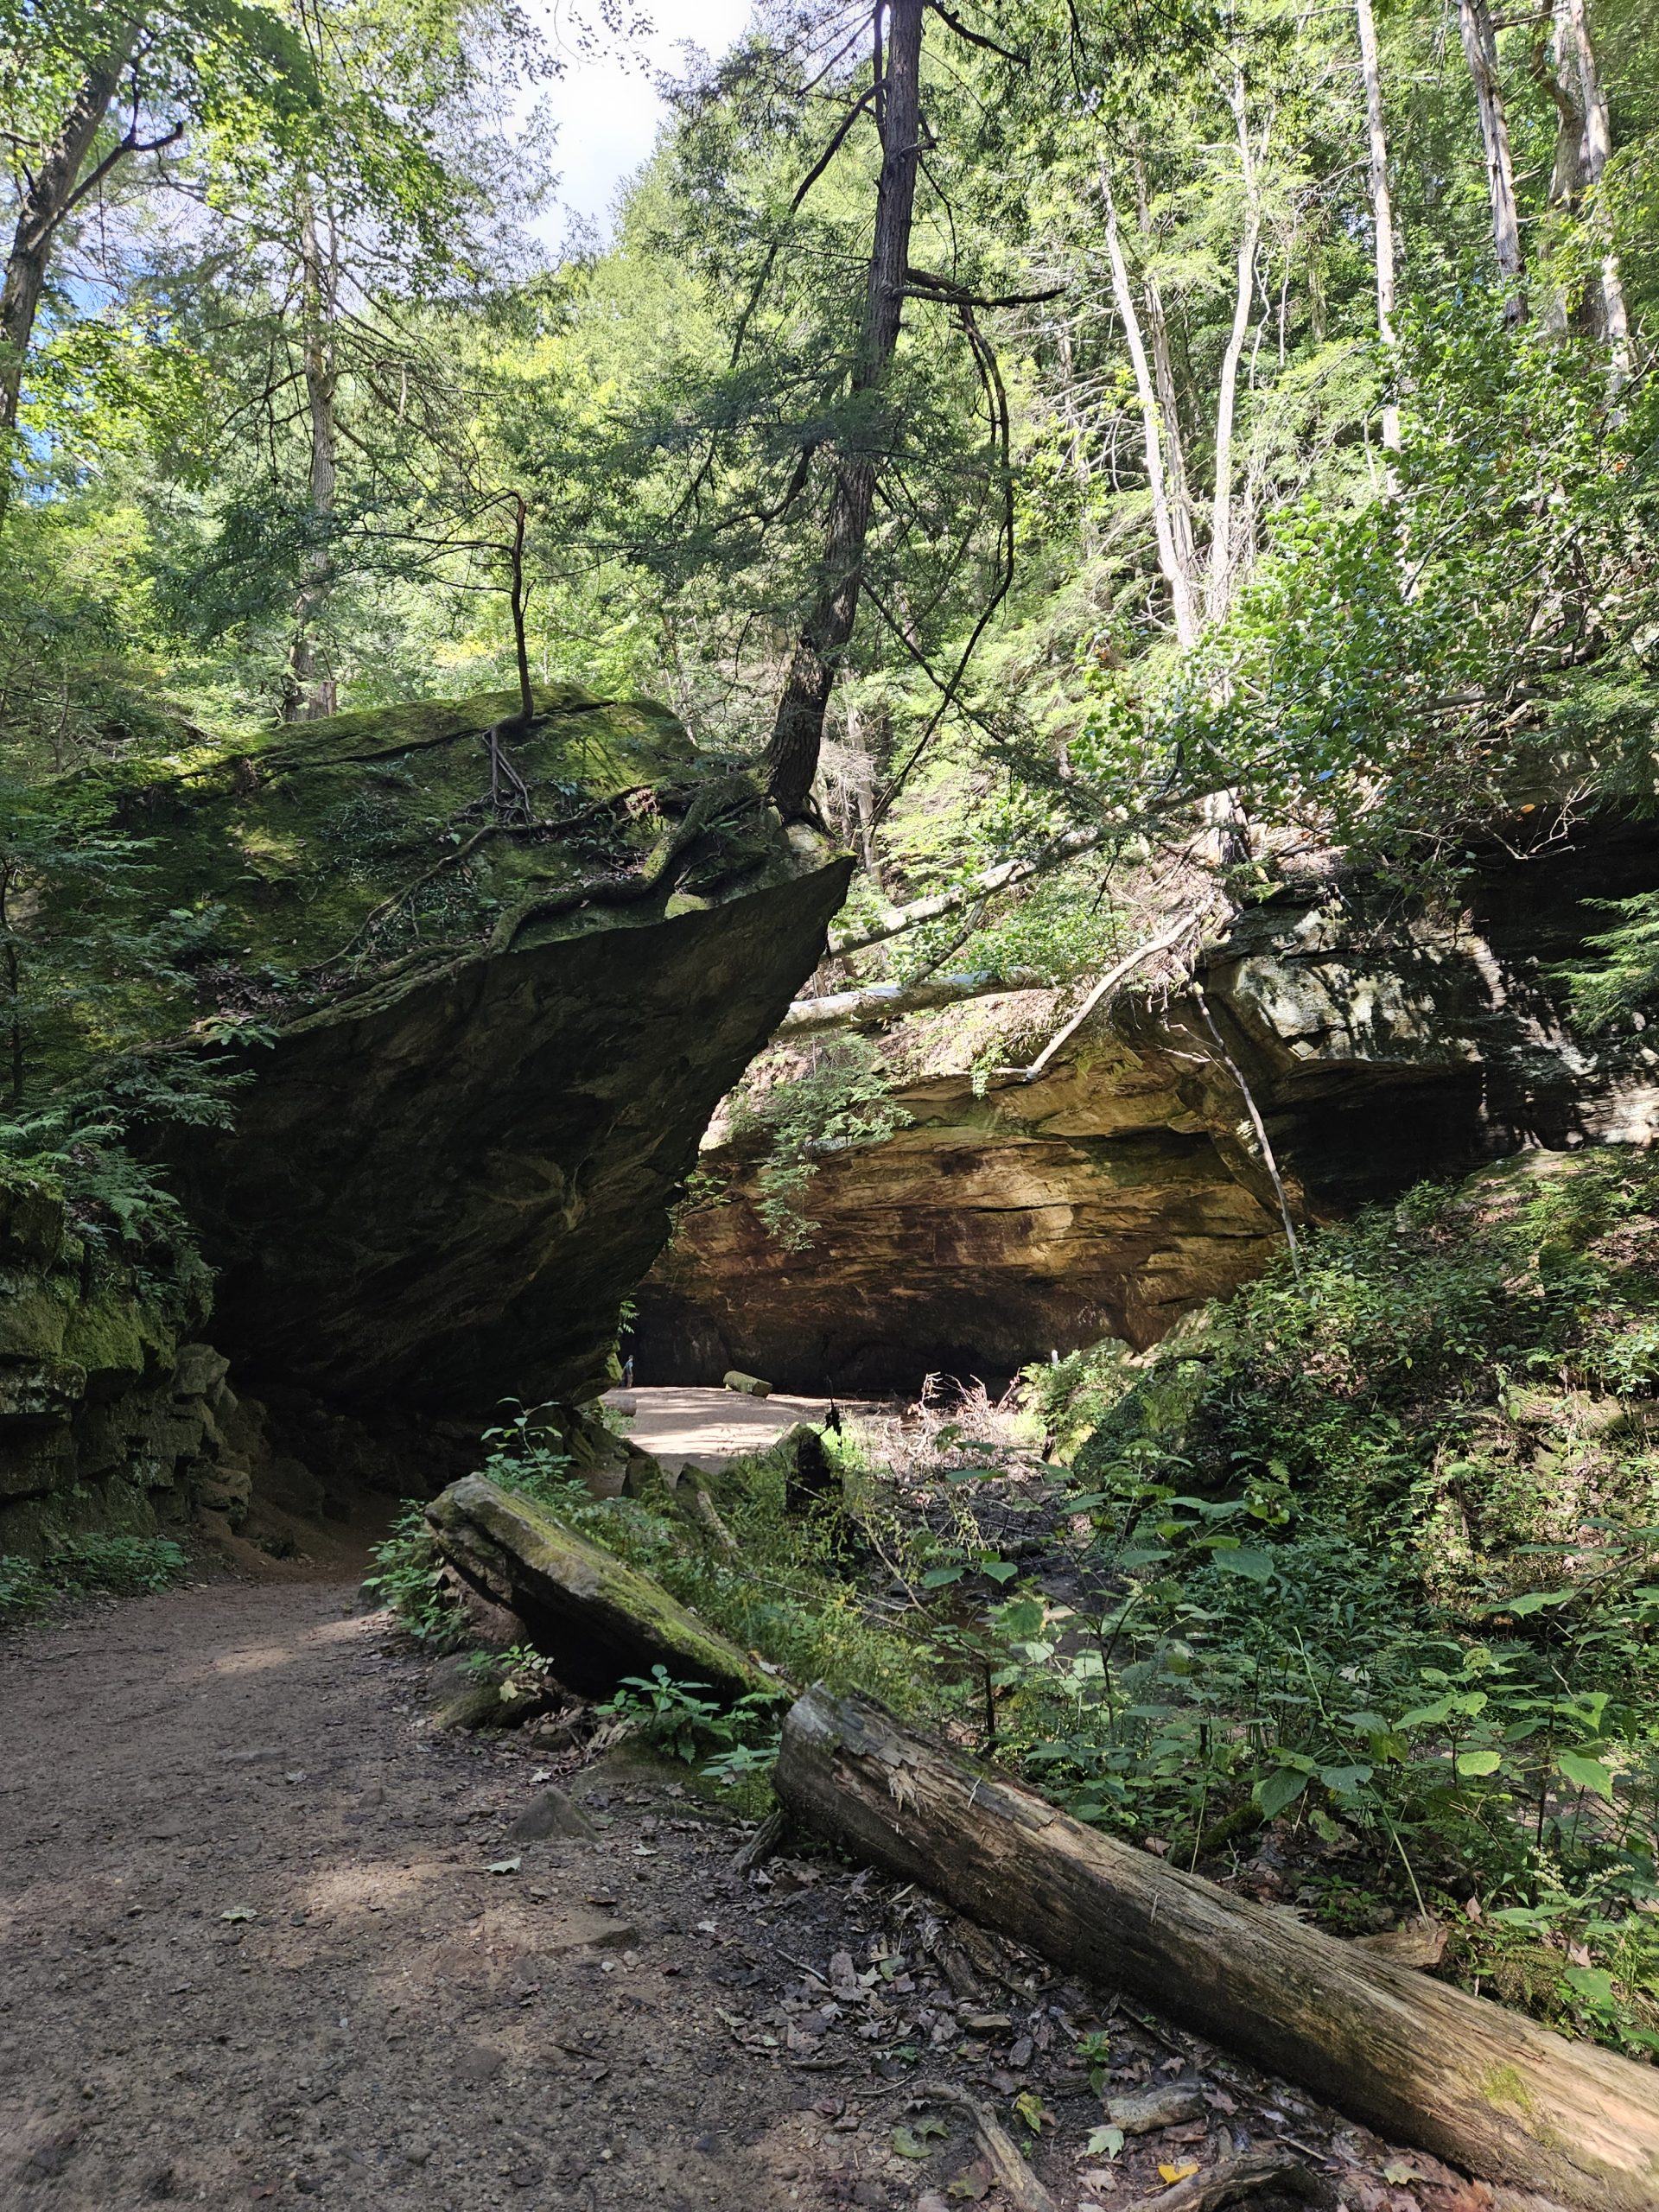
x,y
595,1617
107,1406
477,1050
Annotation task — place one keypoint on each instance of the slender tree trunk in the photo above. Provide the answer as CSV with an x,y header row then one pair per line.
x,y
1072,415
47,198
1480,48
1176,575
311,692
1557,77
864,779
1382,202
1218,586
798,732
1599,146
1169,404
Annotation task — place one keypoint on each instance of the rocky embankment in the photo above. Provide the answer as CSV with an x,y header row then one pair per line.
x,y
1378,1044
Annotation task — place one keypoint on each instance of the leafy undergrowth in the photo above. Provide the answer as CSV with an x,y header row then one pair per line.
x,y
1382,1549
124,1566
1347,1598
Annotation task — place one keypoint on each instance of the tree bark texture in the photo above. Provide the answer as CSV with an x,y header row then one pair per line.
x,y
1480,49
1486,2088
1599,146
1219,583
1178,572
1556,77
48,198
1004,876
798,732
312,693
1376,139
876,1002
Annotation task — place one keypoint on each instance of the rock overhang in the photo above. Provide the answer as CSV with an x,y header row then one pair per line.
x,y
476,1054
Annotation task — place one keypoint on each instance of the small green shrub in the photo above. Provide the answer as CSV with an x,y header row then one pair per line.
x,y
407,1580
683,1720
126,1567
1069,1398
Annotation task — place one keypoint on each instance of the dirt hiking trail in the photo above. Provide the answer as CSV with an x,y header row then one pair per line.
x,y
265,1936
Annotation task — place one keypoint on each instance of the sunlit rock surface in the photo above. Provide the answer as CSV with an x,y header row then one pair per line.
x,y
1128,1185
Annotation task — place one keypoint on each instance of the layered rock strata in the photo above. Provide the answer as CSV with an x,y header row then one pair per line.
x,y
1379,1043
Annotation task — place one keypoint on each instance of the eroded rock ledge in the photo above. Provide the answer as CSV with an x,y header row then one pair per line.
x,y
446,1173
478,1055
1127,1186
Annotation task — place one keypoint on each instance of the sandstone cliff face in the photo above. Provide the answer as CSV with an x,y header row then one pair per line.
x,y
110,1409
1128,1185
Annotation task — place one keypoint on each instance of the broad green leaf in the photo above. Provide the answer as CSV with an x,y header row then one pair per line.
x,y
1592,1985
1257,1565
1276,1791
1586,1773
1343,1781
1478,1761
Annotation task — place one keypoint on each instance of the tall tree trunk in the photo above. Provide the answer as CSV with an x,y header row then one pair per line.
x,y
1382,201
1218,586
47,198
1557,77
1480,48
1177,574
1163,378
311,692
1599,146
798,732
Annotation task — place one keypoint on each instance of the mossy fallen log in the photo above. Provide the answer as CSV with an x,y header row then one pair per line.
x,y
596,1618
1485,2088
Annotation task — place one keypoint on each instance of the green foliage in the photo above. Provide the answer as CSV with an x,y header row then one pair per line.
x,y
1070,1397
526,1453
680,1717
126,1567
1378,1552
1625,978
1370,674
843,1098
408,1580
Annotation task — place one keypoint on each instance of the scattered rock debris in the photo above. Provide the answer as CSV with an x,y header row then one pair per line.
x,y
266,1934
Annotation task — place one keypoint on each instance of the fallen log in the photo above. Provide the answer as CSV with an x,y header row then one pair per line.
x,y
596,1618
1484,2087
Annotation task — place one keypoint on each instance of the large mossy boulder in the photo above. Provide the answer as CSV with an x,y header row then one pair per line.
x,y
481,1047
597,1619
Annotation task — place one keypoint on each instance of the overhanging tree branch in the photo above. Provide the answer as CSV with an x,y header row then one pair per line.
x,y
1005,876
876,1003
